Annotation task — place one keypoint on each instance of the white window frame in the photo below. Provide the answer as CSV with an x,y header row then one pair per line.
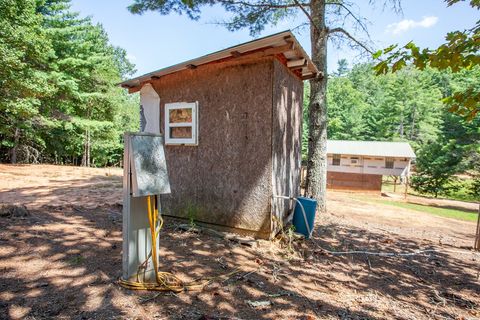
x,y
193,141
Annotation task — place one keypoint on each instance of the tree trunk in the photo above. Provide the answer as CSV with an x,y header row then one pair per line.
x,y
317,113
16,140
86,150
84,156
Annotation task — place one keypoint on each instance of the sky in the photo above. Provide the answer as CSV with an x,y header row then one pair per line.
x,y
153,41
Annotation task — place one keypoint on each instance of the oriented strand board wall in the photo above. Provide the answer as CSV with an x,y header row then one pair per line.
x,y
286,143
354,181
226,179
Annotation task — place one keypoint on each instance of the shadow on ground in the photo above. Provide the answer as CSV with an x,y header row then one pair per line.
x,y
63,262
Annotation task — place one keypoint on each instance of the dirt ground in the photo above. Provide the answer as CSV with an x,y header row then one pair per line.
x,y
64,258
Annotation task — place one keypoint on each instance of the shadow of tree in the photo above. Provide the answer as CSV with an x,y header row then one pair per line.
x,y
64,261
445,206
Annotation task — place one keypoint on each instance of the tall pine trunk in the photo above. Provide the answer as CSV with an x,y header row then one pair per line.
x,y
86,150
16,141
316,182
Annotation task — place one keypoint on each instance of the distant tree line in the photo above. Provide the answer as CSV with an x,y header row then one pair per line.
x,y
60,103
59,99
407,106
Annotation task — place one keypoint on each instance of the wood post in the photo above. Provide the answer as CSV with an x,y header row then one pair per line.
x,y
477,235
394,184
406,187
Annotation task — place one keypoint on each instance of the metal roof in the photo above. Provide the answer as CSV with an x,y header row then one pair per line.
x,y
282,42
371,148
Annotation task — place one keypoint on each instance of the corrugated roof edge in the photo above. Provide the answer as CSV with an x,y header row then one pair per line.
x,y
214,56
409,152
373,141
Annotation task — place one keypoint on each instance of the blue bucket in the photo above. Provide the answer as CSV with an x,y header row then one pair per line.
x,y
310,207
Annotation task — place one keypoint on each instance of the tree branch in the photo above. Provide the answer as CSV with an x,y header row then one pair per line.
x,y
298,4
350,13
352,38
263,5
300,26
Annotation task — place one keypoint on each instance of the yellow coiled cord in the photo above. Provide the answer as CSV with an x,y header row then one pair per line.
x,y
165,281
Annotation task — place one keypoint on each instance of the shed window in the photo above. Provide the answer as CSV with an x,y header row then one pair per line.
x,y
181,123
389,162
336,159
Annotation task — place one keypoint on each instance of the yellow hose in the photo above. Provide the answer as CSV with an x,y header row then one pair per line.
x,y
165,281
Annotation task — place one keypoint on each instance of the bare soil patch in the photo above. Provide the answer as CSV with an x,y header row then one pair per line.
x,y
64,258
39,185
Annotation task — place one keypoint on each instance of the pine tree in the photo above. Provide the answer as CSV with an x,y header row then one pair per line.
x,y
85,105
24,79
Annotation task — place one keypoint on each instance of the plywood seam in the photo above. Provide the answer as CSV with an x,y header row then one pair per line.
x,y
272,181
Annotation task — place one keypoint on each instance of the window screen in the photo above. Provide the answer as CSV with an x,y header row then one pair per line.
x,y
389,162
336,159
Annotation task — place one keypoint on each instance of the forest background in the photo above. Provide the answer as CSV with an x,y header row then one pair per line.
x,y
60,102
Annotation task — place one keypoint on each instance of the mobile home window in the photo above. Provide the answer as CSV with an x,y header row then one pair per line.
x,y
354,160
389,162
181,123
336,159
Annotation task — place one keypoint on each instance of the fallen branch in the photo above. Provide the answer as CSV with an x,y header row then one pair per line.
x,y
144,300
396,254
227,236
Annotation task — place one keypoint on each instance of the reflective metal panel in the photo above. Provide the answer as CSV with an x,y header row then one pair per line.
x,y
149,168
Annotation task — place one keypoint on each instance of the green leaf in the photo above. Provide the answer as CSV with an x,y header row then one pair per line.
x,y
377,54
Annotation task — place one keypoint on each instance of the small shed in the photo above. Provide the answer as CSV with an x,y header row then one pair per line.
x,y
232,122
360,165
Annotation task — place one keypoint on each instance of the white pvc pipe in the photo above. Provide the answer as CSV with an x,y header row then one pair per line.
x,y
303,212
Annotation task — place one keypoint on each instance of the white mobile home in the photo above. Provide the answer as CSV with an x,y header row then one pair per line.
x,y
360,165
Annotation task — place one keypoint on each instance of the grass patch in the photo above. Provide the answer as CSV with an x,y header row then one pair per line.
x,y
76,259
443,212
459,189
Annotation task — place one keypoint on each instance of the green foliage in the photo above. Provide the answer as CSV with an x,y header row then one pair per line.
x,y
436,165
252,15
462,188
406,106
458,53
474,162
342,68
401,106
474,189
346,110
192,211
24,54
59,95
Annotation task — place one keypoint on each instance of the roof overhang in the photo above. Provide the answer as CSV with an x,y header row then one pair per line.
x,y
284,43
371,148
